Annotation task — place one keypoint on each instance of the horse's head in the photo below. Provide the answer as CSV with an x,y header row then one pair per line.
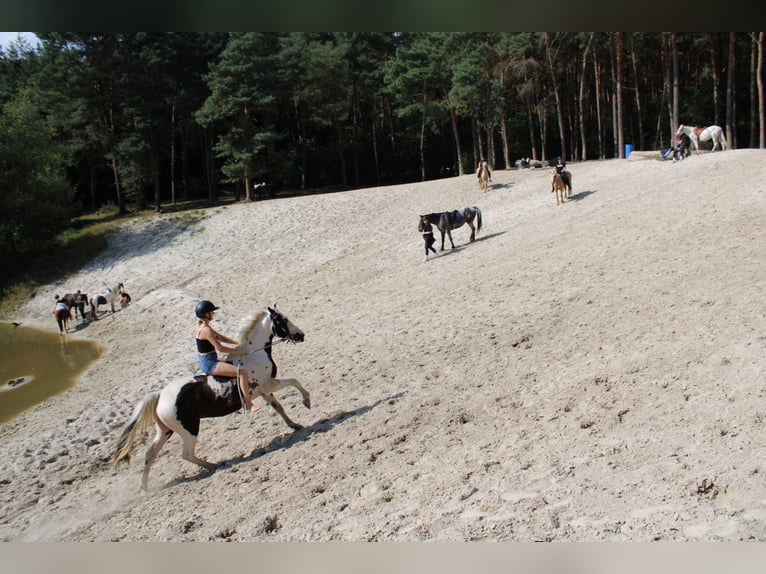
x,y
680,130
283,327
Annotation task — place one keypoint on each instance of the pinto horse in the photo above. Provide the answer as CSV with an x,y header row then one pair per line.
x,y
446,221
696,135
109,296
181,405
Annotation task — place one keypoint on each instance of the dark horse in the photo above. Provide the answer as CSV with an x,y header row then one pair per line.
x,y
446,221
77,301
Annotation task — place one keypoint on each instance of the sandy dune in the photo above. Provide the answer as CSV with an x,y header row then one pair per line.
x,y
592,371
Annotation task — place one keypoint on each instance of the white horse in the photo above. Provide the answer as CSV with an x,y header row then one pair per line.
x,y
181,404
697,135
110,296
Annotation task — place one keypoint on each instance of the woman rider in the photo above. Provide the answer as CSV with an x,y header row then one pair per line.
x,y
208,342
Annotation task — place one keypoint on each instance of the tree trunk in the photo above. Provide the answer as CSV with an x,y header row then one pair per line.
x,y
674,119
173,155
730,109
716,79
753,95
209,168
759,82
455,134
620,129
557,96
423,139
532,136
374,134
504,136
580,98
156,179
638,95
597,75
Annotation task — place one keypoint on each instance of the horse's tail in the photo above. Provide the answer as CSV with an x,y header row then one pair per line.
x,y
478,218
143,417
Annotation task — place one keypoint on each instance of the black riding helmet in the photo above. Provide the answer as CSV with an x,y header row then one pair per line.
x,y
203,308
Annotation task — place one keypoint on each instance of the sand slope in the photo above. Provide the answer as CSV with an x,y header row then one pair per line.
x,y
586,372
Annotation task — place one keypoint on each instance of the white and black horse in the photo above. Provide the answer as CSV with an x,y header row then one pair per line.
x,y
181,405
446,221
697,135
110,296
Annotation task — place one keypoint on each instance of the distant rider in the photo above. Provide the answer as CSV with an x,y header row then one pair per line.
x,y
561,169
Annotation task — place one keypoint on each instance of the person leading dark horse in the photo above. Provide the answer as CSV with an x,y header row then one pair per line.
x,y
427,231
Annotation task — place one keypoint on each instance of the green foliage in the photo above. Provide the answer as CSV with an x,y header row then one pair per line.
x,y
35,190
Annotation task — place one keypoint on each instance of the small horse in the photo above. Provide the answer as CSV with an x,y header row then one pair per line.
x,y
696,135
181,404
63,316
109,296
559,187
483,176
446,221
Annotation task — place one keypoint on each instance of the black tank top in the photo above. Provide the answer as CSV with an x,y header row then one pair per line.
x,y
204,346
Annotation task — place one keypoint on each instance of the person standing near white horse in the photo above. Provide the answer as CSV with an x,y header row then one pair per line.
x,y
697,134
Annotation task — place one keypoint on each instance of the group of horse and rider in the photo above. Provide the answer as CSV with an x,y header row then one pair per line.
x,y
78,301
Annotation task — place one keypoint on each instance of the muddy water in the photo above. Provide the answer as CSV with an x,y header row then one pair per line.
x,y
36,364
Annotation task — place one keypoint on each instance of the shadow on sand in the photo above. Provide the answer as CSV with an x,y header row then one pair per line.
x,y
285,441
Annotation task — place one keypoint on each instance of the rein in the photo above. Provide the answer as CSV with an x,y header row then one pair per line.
x,y
269,344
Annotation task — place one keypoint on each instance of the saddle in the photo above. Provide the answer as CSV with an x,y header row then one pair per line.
x,y
202,378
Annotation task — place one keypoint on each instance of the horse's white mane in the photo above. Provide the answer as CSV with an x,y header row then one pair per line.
x,y
249,323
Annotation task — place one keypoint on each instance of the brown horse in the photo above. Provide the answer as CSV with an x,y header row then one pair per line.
x,y
63,317
76,301
558,185
483,174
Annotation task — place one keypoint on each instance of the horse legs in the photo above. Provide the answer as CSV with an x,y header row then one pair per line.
x,y
473,231
267,390
277,406
449,234
160,438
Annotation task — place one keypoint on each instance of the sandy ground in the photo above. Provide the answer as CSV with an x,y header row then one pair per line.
x,y
592,371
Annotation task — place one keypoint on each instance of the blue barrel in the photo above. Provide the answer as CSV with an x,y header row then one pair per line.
x,y
628,149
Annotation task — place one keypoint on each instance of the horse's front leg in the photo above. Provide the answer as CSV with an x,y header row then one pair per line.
x,y
277,406
473,232
449,234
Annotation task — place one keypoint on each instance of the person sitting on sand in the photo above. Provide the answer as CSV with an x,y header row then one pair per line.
x,y
124,299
